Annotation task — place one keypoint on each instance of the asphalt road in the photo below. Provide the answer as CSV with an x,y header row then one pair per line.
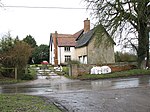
x,y
113,95
112,100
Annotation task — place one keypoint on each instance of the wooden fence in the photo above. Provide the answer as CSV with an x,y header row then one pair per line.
x,y
15,70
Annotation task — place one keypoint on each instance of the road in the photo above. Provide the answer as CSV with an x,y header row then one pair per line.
x,y
109,95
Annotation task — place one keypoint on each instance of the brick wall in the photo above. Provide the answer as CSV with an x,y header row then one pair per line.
x,y
85,68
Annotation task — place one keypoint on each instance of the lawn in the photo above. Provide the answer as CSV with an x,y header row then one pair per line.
x,y
129,73
25,103
9,81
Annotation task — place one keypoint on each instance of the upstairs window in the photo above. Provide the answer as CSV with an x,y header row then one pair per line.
x,y
67,49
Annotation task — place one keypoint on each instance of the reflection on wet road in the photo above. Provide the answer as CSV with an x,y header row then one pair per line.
x,y
89,96
55,83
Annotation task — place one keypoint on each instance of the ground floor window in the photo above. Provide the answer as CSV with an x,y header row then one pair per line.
x,y
67,58
83,59
80,59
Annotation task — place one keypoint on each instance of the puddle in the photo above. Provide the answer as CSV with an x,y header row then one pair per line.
x,y
126,83
54,83
121,83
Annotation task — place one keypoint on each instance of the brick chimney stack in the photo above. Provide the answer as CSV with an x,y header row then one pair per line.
x,y
86,25
55,48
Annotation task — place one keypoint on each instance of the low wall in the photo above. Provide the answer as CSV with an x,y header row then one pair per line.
x,y
76,70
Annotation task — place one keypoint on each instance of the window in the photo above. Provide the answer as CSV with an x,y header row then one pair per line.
x,y
85,59
67,58
67,49
80,59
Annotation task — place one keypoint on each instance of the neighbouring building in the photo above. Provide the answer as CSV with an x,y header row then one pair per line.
x,y
93,46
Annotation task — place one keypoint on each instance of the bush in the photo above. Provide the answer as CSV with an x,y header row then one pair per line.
x,y
74,62
30,75
66,70
125,57
27,76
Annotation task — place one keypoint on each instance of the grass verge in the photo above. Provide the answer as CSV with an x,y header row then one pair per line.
x,y
129,73
25,103
9,81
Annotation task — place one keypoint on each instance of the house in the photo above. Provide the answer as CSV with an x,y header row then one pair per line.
x,y
62,48
93,46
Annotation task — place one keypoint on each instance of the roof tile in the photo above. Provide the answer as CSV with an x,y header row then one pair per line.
x,y
66,41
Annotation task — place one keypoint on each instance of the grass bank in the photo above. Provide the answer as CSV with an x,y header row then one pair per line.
x,y
129,73
25,103
9,81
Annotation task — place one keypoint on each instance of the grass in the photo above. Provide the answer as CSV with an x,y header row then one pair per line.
x,y
9,81
129,73
25,103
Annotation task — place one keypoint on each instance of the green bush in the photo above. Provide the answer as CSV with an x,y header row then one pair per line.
x,y
30,75
27,76
66,70
73,62
125,57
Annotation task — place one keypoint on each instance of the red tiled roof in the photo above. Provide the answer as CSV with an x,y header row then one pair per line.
x,y
65,39
77,34
63,35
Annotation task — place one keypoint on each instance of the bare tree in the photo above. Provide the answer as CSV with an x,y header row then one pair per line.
x,y
126,19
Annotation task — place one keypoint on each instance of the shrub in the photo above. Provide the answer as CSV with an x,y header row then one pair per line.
x,y
74,62
30,75
27,76
125,57
66,70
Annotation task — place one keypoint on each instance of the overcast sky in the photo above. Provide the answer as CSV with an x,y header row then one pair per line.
x,y
40,22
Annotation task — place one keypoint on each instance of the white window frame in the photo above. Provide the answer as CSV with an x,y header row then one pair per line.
x,y
67,58
67,49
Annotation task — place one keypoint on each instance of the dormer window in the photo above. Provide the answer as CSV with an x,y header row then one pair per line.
x,y
67,49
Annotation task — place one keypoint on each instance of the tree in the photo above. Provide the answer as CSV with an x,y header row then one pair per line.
x,y
41,53
6,42
30,40
16,55
124,18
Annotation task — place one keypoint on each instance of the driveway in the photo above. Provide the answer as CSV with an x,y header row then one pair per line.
x,y
110,95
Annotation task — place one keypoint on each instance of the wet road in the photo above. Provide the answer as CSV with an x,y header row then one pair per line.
x,y
113,95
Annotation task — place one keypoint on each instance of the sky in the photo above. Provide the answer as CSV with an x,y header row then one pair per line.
x,y
40,22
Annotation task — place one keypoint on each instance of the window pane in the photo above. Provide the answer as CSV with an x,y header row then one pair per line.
x,y
67,58
67,48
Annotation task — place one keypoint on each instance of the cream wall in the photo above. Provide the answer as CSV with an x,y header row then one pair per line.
x,y
62,53
81,52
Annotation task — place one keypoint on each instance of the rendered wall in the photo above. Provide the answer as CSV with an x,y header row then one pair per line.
x,y
100,54
62,53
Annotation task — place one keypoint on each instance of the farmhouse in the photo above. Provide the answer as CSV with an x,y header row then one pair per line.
x,y
93,46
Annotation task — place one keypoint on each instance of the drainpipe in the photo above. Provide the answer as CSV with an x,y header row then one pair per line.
x,y
60,54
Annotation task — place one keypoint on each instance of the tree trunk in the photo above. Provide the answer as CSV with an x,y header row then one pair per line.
x,y
143,46
143,39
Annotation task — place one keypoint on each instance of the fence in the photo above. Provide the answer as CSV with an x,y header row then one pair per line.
x,y
15,70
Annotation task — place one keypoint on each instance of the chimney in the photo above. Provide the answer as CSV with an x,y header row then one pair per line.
x,y
55,48
86,25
